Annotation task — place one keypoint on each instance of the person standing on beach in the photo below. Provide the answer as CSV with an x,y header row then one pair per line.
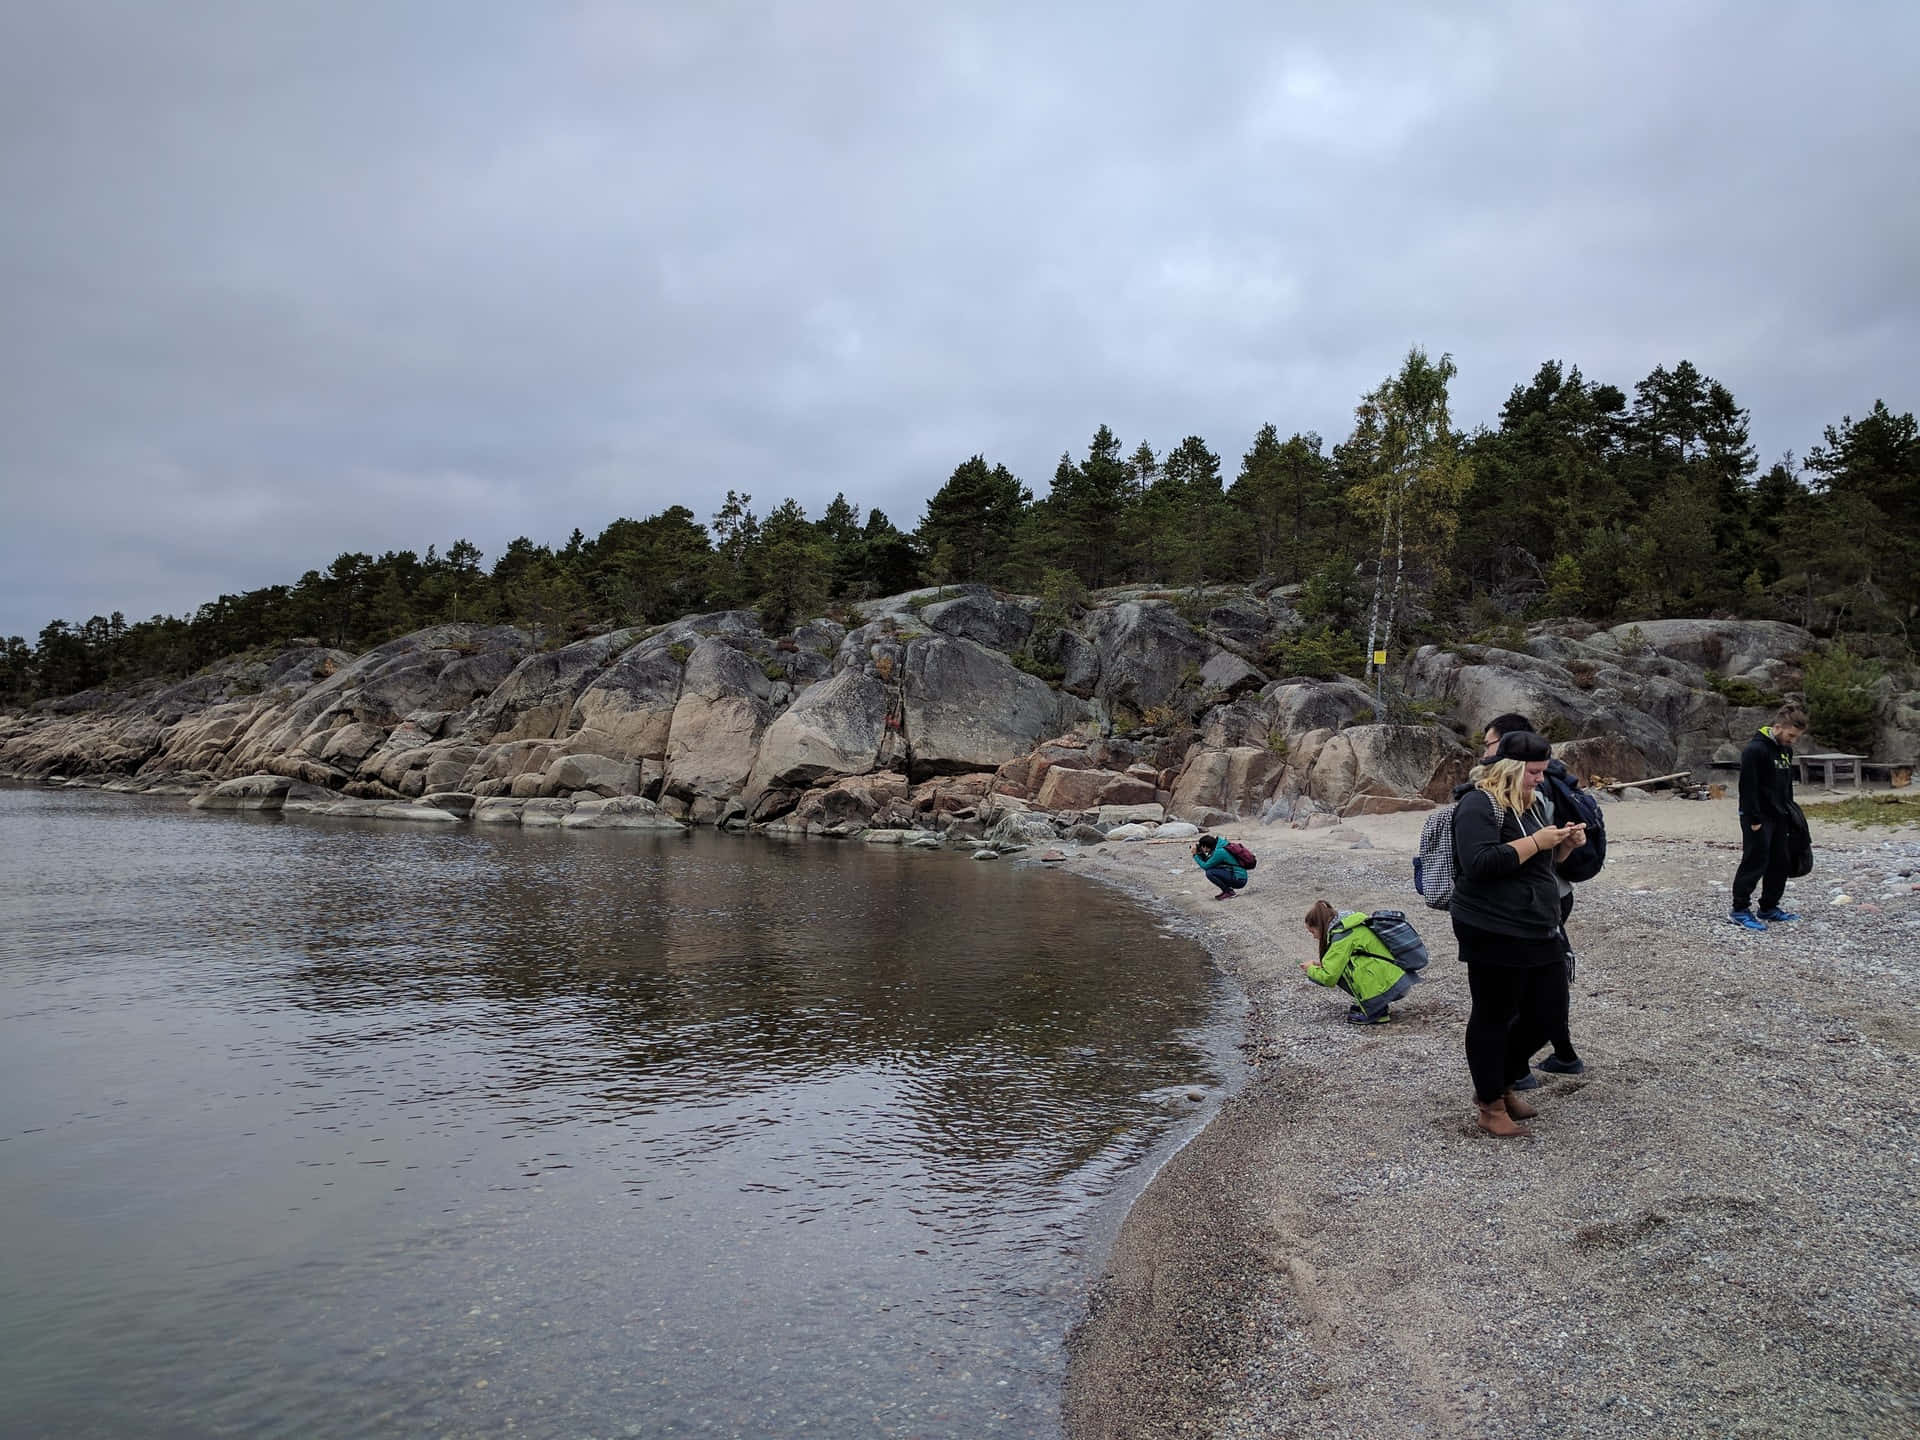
x,y
1210,853
1565,1060
1766,800
1506,918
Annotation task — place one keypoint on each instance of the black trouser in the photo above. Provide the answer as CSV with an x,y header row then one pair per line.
x,y
1514,1010
1763,852
1559,1033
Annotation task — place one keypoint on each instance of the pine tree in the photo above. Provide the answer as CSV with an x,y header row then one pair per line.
x,y
973,518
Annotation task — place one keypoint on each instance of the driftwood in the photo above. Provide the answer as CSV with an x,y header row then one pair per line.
x,y
1655,780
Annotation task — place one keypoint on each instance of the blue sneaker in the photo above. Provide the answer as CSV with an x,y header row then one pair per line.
x,y
1744,919
1775,915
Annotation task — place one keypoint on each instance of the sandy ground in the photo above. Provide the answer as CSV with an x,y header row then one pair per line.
x,y
1714,1232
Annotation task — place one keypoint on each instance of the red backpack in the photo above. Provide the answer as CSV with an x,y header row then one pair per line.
x,y
1242,856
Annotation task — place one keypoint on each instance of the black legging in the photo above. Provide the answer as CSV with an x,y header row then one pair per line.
x,y
1519,989
1560,1033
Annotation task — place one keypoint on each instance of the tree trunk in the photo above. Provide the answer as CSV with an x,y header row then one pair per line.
x,y
1379,581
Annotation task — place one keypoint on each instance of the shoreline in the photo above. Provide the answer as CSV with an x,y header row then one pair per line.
x,y
1714,1231
1336,1251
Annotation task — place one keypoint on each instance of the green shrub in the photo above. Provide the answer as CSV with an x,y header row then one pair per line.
x,y
1840,701
1320,654
679,652
774,670
1739,692
1038,668
1061,593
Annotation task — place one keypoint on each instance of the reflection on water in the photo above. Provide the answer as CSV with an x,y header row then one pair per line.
x,y
315,1127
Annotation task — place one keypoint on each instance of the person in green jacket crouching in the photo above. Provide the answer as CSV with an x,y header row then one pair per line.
x,y
1356,960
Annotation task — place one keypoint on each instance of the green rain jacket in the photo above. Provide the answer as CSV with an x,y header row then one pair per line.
x,y
1358,962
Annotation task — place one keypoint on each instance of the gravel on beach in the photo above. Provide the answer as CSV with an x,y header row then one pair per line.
x,y
1714,1231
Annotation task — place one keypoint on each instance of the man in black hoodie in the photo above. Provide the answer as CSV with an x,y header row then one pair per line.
x,y
1766,793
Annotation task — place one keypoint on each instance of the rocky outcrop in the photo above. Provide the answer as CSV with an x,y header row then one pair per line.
x,y
716,728
1145,650
1221,785
968,708
833,729
1421,760
916,719
627,710
979,617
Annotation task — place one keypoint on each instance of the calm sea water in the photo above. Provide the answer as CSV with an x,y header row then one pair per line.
x,y
316,1128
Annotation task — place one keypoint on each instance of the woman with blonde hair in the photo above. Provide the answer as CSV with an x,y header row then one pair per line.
x,y
1506,916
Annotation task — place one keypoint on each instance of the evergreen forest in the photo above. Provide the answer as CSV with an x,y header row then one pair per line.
x,y
1581,500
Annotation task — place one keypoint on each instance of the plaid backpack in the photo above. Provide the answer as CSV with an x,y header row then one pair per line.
x,y
1433,864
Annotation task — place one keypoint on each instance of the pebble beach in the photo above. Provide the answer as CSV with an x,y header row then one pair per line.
x,y
1714,1231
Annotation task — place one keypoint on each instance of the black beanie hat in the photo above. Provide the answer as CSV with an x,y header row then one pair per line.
x,y
1523,745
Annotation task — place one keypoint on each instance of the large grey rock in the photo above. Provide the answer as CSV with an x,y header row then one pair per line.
x,y
421,814
1734,647
717,724
979,617
1388,760
1476,684
536,701
968,708
1146,650
350,744
1079,660
1898,740
628,709
246,792
497,811
622,812
604,775
833,728
1242,622
1300,706
1229,673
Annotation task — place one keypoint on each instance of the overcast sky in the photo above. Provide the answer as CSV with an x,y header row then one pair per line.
x,y
283,279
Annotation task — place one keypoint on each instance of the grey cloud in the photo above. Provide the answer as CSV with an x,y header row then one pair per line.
x,y
280,281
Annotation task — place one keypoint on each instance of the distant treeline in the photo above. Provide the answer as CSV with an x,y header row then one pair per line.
x,y
1580,502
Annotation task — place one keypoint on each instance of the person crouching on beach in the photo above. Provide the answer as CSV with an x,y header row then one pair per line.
x,y
1356,960
1506,917
1210,853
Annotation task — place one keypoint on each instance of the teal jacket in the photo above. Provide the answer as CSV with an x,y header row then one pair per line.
x,y
1359,963
1220,856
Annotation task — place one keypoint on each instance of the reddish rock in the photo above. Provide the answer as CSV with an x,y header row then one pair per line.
x,y
1384,805
1074,789
1128,790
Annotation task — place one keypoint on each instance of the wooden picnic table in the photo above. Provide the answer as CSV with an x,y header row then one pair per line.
x,y
1831,767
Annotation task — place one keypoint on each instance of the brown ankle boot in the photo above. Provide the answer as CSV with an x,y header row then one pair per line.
x,y
1495,1120
1518,1108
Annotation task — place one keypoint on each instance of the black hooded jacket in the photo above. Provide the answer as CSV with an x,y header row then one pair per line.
x,y
1766,778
